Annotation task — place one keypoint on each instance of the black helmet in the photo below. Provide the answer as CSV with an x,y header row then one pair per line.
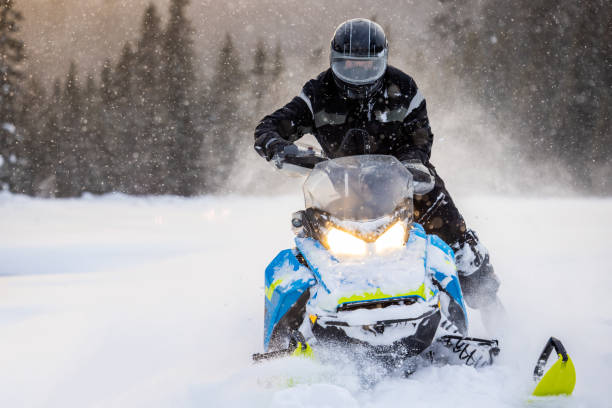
x,y
358,57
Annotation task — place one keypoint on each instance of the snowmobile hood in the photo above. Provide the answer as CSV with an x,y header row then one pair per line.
x,y
396,276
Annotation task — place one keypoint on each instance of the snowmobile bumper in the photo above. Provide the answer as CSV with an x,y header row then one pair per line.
x,y
409,346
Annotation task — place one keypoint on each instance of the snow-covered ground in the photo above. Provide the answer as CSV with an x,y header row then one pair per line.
x,y
158,302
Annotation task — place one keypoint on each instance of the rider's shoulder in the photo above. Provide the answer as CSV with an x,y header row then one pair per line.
x,y
325,76
320,84
399,82
398,75
324,79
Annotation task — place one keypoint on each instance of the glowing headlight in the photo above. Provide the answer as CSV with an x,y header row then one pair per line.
x,y
393,238
340,242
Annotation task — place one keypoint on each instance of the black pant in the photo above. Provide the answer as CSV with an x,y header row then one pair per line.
x,y
438,214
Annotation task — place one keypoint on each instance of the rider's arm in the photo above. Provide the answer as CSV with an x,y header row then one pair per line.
x,y
417,138
287,124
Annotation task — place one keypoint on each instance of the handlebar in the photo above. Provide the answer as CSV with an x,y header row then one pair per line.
x,y
297,159
307,162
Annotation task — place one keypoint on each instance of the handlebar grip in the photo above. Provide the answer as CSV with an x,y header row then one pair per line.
x,y
308,162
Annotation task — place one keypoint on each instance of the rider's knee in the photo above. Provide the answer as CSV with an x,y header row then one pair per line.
x,y
479,282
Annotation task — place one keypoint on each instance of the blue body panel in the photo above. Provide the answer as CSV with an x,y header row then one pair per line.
x,y
302,245
443,246
453,288
286,280
417,231
447,275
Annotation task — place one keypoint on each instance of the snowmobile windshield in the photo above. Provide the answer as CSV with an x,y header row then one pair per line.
x,y
359,187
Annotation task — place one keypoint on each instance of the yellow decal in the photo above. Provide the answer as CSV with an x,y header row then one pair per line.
x,y
313,319
306,353
270,289
379,295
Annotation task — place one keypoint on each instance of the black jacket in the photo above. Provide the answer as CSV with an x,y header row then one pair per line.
x,y
395,119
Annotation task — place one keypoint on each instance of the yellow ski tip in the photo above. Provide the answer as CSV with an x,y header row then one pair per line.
x,y
303,350
560,379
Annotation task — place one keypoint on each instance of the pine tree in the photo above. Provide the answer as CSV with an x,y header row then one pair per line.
x,y
11,57
32,168
70,169
42,114
276,77
278,66
124,113
52,119
149,51
109,144
181,140
260,72
151,164
227,116
106,83
94,152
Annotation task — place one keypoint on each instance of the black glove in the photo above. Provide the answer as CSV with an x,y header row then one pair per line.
x,y
270,144
422,177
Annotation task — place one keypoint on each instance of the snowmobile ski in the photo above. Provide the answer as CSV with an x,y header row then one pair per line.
x,y
560,379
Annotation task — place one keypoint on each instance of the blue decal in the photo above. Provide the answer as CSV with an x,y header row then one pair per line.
x,y
453,288
300,242
417,230
443,246
283,262
286,280
447,277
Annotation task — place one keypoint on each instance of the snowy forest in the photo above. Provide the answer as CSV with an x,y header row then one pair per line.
x,y
150,120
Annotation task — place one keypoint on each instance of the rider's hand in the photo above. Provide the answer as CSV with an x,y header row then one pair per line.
x,y
274,145
422,177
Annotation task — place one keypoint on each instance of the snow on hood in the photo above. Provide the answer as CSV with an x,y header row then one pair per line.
x,y
393,274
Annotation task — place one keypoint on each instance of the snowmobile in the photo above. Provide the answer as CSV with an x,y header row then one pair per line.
x,y
364,277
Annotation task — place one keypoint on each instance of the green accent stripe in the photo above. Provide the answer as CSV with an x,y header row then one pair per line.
x,y
379,295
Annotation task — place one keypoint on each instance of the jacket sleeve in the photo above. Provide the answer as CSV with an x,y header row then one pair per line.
x,y
290,122
417,138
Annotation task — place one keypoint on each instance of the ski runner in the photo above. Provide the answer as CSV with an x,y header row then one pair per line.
x,y
361,105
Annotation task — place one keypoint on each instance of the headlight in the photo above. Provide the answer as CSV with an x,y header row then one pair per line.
x,y
393,238
344,243
340,242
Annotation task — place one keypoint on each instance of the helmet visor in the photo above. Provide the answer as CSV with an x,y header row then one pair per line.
x,y
359,70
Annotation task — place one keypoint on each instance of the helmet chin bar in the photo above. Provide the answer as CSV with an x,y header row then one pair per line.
x,y
364,91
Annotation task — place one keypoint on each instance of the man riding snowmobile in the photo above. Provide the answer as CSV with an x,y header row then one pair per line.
x,y
361,105
364,108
